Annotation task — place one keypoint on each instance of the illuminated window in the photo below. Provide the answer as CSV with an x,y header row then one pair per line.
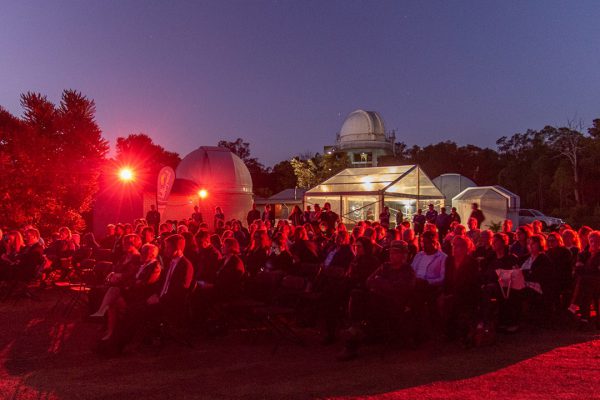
x,y
362,157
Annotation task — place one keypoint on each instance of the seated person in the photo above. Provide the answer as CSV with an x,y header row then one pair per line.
x,y
462,289
208,258
587,275
333,285
340,256
228,282
167,302
364,264
124,270
484,252
389,298
31,258
10,258
503,281
304,250
540,275
280,258
255,258
145,282
231,272
61,249
430,267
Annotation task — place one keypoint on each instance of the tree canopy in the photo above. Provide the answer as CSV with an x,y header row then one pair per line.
x,y
50,160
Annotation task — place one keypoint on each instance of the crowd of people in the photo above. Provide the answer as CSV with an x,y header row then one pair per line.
x,y
418,279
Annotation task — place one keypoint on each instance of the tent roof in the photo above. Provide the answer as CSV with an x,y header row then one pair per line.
x,y
478,192
402,181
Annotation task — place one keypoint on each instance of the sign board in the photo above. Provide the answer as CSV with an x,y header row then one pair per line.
x,y
165,180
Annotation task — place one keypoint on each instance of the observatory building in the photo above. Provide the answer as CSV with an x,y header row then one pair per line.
x,y
364,139
210,177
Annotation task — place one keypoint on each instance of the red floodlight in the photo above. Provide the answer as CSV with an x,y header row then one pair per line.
x,y
126,174
202,193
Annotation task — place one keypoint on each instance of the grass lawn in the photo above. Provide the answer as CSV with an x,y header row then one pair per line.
x,y
46,356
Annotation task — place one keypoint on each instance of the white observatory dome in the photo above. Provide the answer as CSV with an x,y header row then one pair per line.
x,y
362,125
215,168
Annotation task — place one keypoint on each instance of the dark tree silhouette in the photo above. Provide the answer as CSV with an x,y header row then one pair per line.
x,y
50,161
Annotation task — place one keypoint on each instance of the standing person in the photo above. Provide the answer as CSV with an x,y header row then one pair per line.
x,y
329,217
253,215
219,220
197,216
431,215
442,222
272,215
454,216
419,222
153,217
297,216
308,215
399,218
477,214
266,215
316,217
384,217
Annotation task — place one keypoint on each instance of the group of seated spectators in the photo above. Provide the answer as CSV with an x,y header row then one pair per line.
x,y
371,281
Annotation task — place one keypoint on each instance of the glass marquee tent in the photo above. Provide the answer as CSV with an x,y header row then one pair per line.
x,y
361,193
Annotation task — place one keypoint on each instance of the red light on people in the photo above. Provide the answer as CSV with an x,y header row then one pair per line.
x,y
126,174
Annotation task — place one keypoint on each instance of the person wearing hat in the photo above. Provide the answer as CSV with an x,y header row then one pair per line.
x,y
388,302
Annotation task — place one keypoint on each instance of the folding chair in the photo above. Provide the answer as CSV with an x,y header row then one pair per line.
x,y
76,291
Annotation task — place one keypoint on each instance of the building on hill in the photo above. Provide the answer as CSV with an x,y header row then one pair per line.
x,y
364,139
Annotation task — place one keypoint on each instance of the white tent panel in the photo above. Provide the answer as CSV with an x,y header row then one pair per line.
x,y
496,202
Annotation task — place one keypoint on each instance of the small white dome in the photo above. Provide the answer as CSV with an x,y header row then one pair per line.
x,y
215,168
362,125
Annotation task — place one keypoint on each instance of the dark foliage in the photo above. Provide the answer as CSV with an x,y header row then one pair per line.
x,y
50,161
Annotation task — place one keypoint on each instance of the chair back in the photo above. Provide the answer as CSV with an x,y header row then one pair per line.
x,y
102,254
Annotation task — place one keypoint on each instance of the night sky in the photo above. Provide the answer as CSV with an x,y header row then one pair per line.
x,y
284,74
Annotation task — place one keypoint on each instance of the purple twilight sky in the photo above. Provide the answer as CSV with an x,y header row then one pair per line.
x,y
283,74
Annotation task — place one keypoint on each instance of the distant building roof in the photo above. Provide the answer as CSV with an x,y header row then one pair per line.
x,y
288,195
